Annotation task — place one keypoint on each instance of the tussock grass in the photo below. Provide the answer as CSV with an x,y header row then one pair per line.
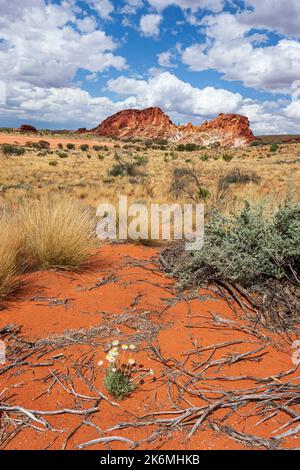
x,y
10,257
58,233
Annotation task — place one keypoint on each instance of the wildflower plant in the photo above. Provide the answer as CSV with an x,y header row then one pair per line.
x,y
123,375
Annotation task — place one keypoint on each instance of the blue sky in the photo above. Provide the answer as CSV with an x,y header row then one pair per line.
x,y
70,63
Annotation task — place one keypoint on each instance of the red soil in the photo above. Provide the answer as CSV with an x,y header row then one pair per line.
x,y
138,298
19,139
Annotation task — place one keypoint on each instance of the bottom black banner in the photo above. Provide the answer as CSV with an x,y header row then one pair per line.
x,y
133,459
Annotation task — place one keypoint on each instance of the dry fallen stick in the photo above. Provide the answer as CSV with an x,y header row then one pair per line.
x,y
105,440
246,439
33,414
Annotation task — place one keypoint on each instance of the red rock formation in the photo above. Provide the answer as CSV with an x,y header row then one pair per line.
x,y
231,130
148,123
27,128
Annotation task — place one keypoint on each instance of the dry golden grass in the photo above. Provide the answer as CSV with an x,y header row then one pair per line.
x,y
10,257
58,233
84,176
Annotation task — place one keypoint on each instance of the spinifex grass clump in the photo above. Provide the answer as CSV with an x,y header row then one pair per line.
x,y
10,257
58,233
123,375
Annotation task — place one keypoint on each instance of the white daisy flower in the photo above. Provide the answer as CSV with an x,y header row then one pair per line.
x,y
132,347
124,347
115,342
110,358
114,352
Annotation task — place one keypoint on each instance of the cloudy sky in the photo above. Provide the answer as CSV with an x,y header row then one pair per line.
x,y
71,63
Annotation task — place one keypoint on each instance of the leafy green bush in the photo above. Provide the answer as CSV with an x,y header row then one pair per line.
x,y
62,154
70,146
84,147
97,148
42,144
127,167
274,147
187,147
123,169
9,149
249,247
227,157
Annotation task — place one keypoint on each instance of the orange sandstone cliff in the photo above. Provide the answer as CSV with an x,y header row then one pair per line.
x,y
229,130
149,123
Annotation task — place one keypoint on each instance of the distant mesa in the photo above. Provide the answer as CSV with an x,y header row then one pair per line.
x,y
28,128
229,130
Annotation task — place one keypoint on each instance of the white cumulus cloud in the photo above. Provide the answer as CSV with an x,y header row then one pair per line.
x,y
175,96
194,5
40,47
149,25
229,50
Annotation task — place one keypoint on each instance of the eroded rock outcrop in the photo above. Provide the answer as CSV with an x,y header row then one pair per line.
x,y
148,123
28,128
229,130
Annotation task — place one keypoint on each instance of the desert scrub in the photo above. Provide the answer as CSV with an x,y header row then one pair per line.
x,y
70,146
249,247
58,233
9,149
123,375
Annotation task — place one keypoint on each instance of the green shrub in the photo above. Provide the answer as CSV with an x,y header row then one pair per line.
x,y
9,149
42,144
187,147
227,158
70,146
97,148
257,143
274,147
249,247
62,154
123,169
84,147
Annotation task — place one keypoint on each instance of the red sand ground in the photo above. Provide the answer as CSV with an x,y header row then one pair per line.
x,y
141,297
20,139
